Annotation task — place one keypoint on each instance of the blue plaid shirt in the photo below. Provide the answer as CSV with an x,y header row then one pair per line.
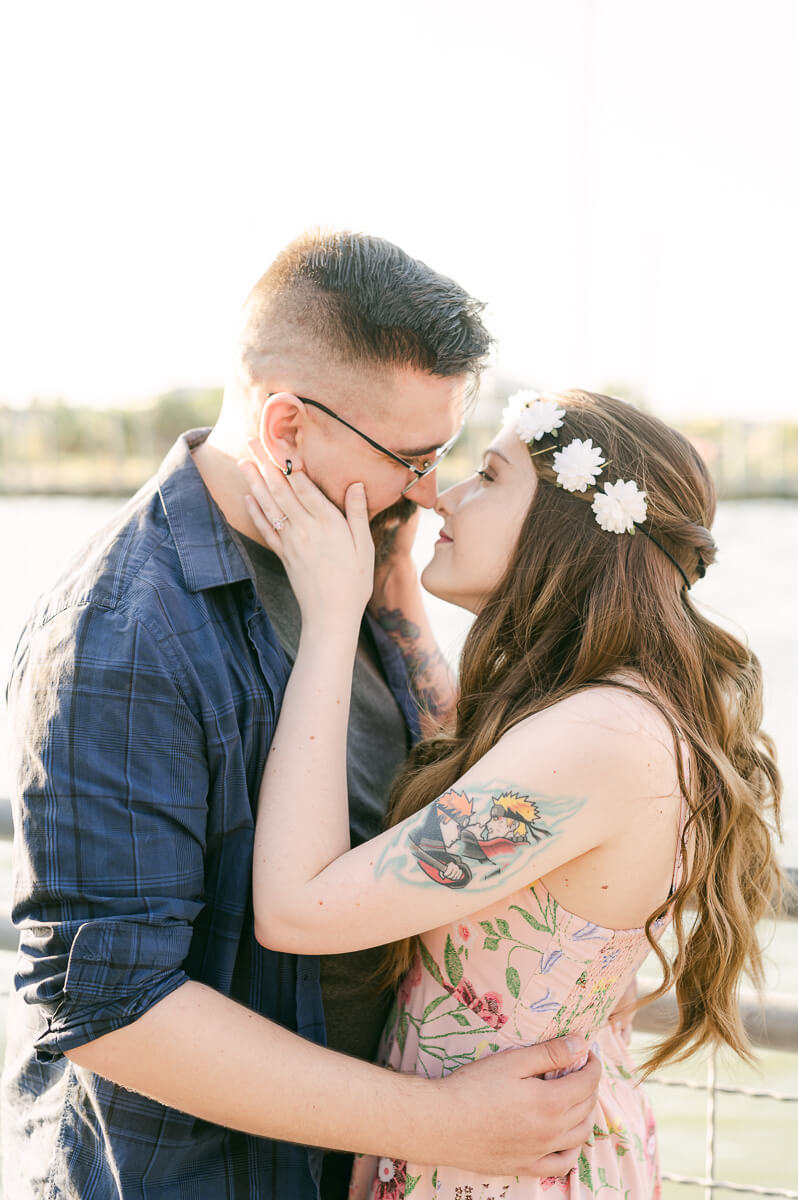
x,y
143,698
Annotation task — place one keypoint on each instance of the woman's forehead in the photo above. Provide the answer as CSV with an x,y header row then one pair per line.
x,y
507,445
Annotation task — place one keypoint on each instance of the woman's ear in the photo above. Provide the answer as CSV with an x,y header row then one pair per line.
x,y
281,429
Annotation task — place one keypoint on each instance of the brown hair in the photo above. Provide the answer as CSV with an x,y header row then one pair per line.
x,y
577,605
368,303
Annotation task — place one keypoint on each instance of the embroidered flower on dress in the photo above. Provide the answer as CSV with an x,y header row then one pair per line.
x,y
546,1003
620,506
549,960
586,933
578,464
651,1138
465,992
392,1176
487,1007
560,1181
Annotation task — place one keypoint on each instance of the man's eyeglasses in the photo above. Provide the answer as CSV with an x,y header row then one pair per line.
x,y
429,465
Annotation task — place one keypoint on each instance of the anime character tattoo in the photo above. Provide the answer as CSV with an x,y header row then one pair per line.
x,y
470,837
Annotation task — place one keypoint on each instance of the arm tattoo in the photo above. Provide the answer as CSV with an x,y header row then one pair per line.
x,y
428,672
470,838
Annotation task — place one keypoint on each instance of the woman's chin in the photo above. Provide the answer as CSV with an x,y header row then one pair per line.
x,y
433,581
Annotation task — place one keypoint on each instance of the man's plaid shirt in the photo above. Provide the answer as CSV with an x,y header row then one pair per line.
x,y
143,698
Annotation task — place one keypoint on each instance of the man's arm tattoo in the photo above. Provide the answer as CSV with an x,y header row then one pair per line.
x,y
427,670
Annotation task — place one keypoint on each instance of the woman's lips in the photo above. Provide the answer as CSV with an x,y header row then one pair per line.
x,y
443,539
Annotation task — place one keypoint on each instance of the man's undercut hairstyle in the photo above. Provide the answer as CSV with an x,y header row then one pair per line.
x,y
366,302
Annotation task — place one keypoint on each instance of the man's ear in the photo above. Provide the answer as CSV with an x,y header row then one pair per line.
x,y
281,429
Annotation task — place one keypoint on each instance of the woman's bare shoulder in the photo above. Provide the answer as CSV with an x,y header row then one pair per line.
x,y
603,729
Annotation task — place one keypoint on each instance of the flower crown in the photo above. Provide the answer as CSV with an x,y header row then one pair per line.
x,y
621,507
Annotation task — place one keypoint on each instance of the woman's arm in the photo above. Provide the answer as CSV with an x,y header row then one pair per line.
x,y
329,560
397,605
491,834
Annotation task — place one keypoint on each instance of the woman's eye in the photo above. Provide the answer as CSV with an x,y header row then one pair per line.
x,y
485,477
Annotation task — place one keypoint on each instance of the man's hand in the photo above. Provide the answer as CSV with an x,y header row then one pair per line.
x,y
499,1117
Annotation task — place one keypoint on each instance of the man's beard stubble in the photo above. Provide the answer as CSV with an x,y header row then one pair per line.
x,y
385,526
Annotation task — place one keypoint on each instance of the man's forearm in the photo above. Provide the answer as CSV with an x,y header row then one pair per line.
x,y
201,1053
204,1054
401,613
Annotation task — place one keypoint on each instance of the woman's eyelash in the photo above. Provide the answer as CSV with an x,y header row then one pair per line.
x,y
484,475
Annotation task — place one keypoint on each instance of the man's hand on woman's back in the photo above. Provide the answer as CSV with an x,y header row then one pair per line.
x,y
508,1120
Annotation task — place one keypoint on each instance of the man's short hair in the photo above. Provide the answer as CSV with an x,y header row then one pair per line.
x,y
368,303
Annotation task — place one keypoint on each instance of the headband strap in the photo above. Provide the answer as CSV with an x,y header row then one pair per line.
x,y
667,554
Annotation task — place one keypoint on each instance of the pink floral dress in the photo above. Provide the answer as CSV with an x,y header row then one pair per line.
x,y
521,971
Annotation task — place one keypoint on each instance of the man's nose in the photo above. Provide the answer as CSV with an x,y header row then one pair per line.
x,y
425,492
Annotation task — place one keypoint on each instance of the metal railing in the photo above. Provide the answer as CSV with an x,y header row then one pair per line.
x,y
772,1024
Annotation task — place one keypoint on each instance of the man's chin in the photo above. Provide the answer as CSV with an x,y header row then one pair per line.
x,y
385,525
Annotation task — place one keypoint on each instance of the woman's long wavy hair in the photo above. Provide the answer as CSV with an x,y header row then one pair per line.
x,y
578,605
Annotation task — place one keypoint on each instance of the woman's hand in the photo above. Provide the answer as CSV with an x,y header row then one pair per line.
x,y
328,556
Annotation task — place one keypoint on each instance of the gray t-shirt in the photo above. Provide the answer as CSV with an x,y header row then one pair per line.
x,y
355,1005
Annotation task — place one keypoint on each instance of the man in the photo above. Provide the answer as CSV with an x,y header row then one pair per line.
x,y
152,1046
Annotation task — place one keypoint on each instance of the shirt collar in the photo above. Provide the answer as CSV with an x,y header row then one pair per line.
x,y
205,545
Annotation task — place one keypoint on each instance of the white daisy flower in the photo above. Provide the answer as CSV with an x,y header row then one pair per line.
x,y
386,1170
516,405
578,464
543,416
620,506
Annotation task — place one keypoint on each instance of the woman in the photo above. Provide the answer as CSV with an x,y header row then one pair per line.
x,y
605,770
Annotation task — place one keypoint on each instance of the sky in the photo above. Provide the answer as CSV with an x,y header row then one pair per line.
x,y
617,179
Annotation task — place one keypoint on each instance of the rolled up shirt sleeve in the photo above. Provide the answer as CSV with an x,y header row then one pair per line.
x,y
110,786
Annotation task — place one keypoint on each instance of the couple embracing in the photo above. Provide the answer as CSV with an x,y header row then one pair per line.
x,y
287,893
